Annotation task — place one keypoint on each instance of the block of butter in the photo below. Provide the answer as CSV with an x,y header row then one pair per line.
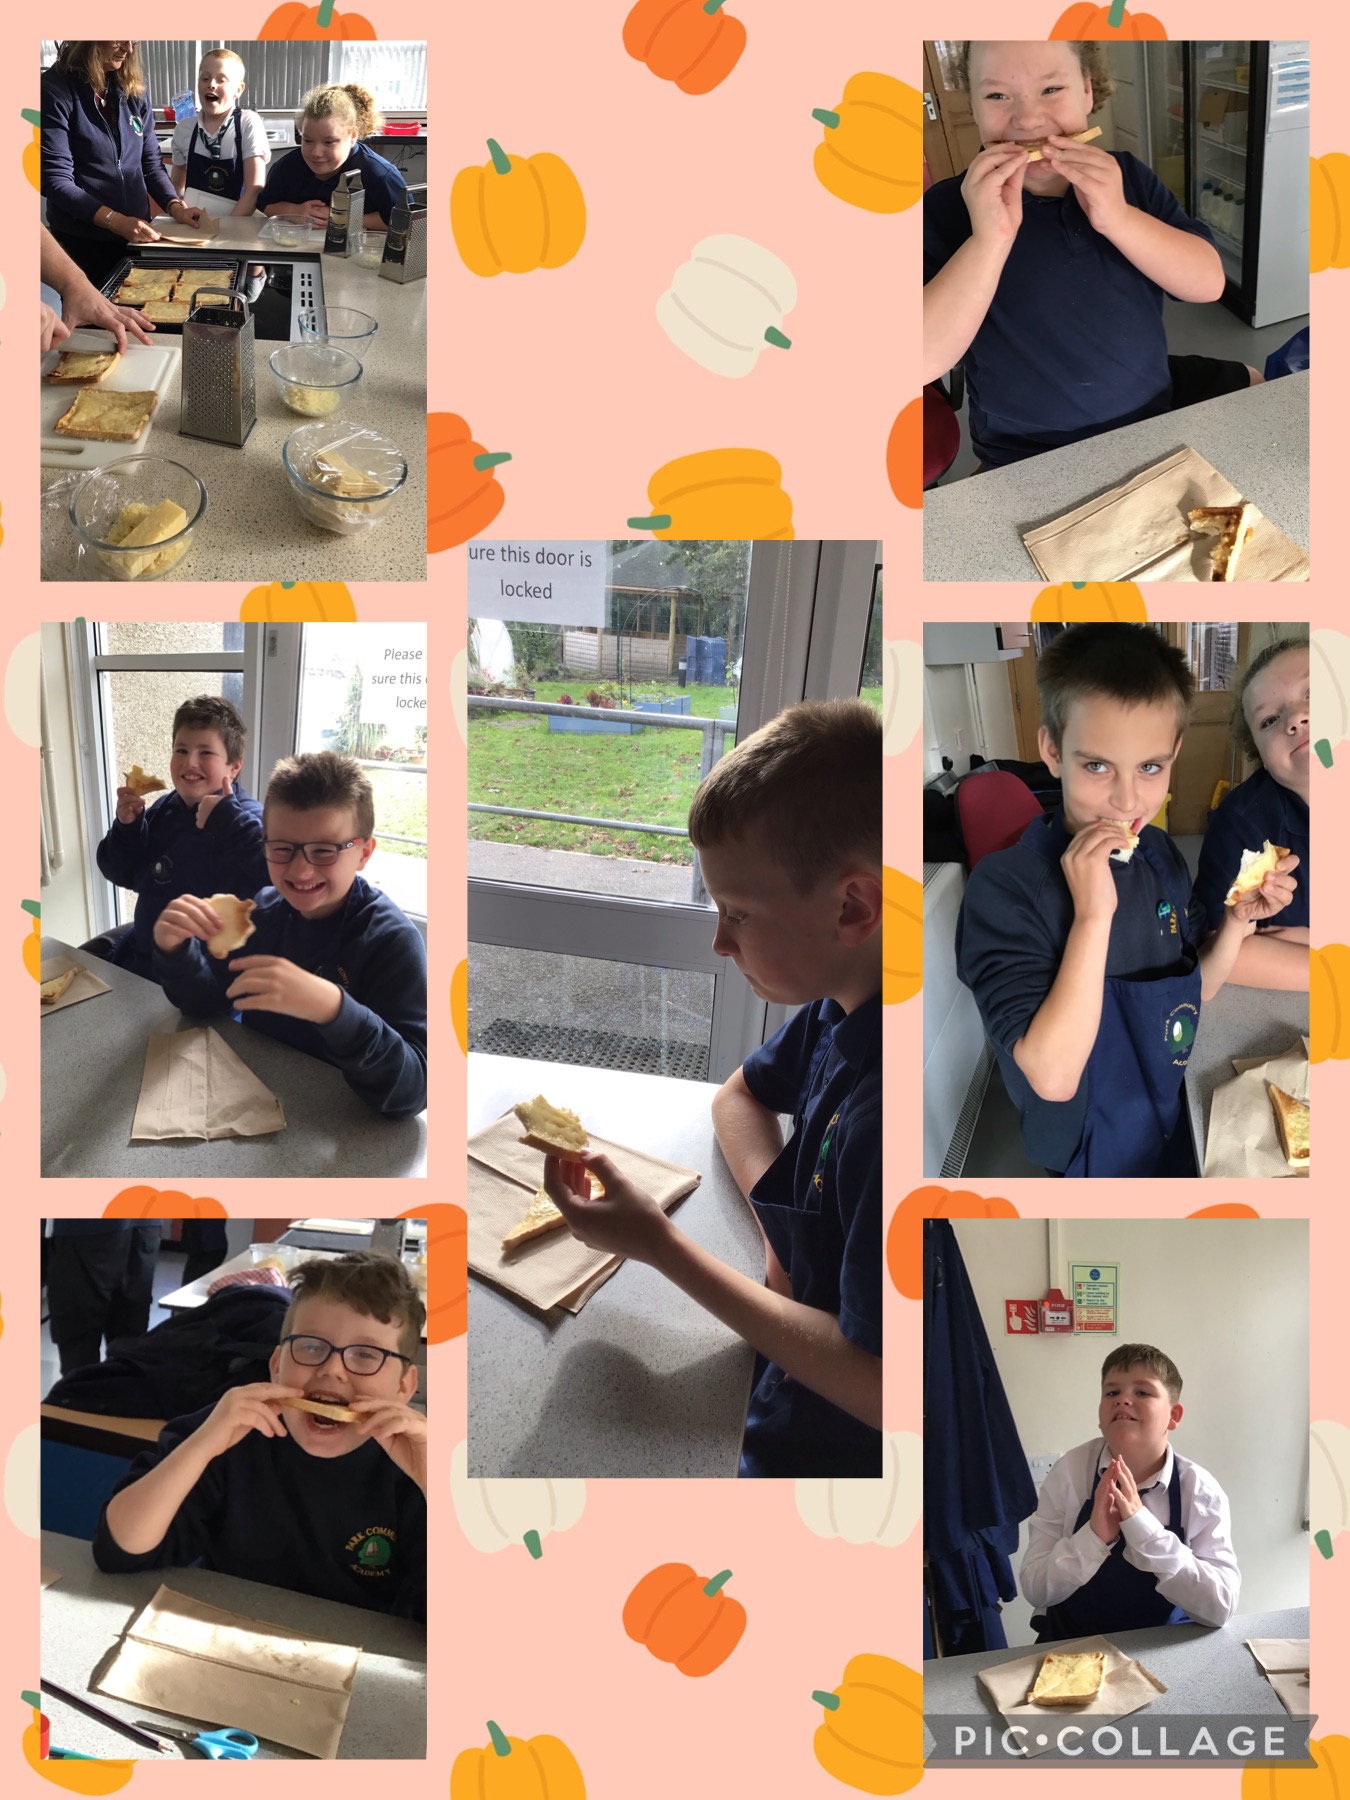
x,y
140,526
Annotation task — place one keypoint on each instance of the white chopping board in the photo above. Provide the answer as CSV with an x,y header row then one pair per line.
x,y
144,369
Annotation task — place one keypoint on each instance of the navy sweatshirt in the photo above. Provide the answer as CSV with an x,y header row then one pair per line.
x,y
88,163
290,179
162,855
351,1528
374,953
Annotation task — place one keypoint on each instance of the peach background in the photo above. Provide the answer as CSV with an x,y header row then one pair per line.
x,y
568,370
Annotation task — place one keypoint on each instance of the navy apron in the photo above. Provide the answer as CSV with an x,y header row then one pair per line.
x,y
213,174
1119,1597
1134,1122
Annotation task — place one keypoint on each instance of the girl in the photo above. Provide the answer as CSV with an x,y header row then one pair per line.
x,y
222,154
1270,722
100,163
332,123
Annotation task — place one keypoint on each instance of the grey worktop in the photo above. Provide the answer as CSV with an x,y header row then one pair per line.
x,y
85,1612
1257,438
1238,1021
1205,1671
642,1381
252,529
93,1056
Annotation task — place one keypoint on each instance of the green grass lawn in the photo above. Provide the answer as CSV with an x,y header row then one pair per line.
x,y
401,806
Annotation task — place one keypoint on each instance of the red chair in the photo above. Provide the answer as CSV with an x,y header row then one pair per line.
x,y
994,809
941,434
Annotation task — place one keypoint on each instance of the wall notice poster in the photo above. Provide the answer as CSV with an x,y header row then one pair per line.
x,y
1095,1292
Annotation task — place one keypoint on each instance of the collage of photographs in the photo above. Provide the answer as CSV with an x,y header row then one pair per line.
x,y
1038,1463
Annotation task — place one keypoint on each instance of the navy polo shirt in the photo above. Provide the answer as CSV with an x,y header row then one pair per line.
x,y
1010,936
290,178
819,1202
1257,809
1073,343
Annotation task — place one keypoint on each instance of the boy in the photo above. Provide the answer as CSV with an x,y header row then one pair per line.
x,y
333,966
1081,946
222,154
259,1488
1128,1533
204,837
1047,277
788,830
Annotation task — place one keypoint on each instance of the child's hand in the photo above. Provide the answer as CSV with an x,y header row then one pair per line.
x,y
623,1220
209,802
276,984
1273,895
992,191
184,918
399,1430
1087,869
1125,1492
256,1407
1095,178
1104,1519
130,806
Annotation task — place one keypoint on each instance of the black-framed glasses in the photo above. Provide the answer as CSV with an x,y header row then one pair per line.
x,y
359,1359
318,856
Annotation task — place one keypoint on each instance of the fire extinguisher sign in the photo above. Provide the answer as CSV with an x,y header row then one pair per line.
x,y
1096,1290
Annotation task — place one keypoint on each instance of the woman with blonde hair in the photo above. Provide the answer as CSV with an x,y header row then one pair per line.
x,y
101,165
333,121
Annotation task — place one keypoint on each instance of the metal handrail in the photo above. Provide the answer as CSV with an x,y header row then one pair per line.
x,y
690,721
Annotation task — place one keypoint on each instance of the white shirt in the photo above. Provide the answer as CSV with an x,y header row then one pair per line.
x,y
253,131
1200,1576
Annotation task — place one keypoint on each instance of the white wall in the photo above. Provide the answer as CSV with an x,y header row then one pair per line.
x,y
949,710
65,901
1227,1300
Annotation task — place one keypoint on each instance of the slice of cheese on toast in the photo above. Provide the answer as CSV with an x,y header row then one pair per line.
x,y
141,783
1291,1121
326,1410
144,288
1123,856
551,1129
52,990
166,311
1035,149
540,1216
82,366
1070,1679
238,926
1255,866
106,416
1234,524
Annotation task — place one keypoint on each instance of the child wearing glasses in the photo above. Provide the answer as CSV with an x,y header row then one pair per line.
x,y
202,836
221,155
333,966
260,1487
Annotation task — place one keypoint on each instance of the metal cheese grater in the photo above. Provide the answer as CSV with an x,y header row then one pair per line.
x,y
387,1236
219,396
346,210
405,246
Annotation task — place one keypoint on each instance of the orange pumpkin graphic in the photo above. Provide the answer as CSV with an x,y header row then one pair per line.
x,y
1328,1011
1073,602
463,494
447,1269
690,42
904,1237
1087,21
513,214
289,602
537,1768
1329,239
904,454
32,944
32,152
872,1735
293,23
684,1619
161,1203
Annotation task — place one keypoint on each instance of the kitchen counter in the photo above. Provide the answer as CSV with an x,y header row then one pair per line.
x,y
85,1612
1258,438
93,1056
252,529
642,1381
1242,1022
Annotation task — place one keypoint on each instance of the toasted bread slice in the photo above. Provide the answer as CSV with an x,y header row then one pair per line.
x,y
1035,147
1291,1121
52,990
141,274
1234,524
1255,866
1069,1679
238,926
107,417
140,293
81,366
343,1414
551,1129
141,783
166,311
1123,856
540,1216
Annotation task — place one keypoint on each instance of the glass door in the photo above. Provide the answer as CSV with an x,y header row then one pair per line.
x,y
1220,118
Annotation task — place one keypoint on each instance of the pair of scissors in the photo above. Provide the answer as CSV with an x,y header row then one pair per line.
x,y
226,1745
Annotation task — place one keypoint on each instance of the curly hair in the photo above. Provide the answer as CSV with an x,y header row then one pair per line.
x,y
1239,727
1091,60
371,1283
353,107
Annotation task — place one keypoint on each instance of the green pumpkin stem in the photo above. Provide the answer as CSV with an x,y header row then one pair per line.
x,y
830,119
829,1700
32,1699
657,522
501,162
1115,18
499,1740
713,7
774,336
489,460
33,118
532,1544
1078,584
712,1588
325,17
32,906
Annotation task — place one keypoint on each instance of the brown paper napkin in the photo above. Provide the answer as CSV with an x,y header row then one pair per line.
x,y
553,1270
1243,1139
84,987
49,1576
1139,531
1126,1686
196,1661
1285,1662
175,231
194,1086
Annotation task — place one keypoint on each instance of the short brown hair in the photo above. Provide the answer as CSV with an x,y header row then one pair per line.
x,y
324,778
1133,664
1239,729
212,712
370,1283
352,106
808,784
79,56
1091,60
1145,1356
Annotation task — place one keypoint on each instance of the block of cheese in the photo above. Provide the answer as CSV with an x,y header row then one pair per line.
x,y
1068,1679
551,1129
333,472
140,526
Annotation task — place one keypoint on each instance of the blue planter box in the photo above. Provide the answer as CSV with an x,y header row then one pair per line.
x,y
623,727
673,704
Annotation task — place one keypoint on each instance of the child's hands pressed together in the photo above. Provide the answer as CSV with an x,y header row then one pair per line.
x,y
1105,1518
623,1220
399,1430
992,191
184,918
1087,869
209,802
276,984
1273,895
1124,1491
1095,178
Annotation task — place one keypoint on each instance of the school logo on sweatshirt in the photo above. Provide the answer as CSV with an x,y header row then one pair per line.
x,y
373,1549
1179,1032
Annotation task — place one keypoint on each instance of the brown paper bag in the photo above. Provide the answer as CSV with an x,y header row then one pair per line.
x,y
196,1661
175,232
1139,531
85,986
555,1269
194,1086
1126,1686
1243,1139
1285,1663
